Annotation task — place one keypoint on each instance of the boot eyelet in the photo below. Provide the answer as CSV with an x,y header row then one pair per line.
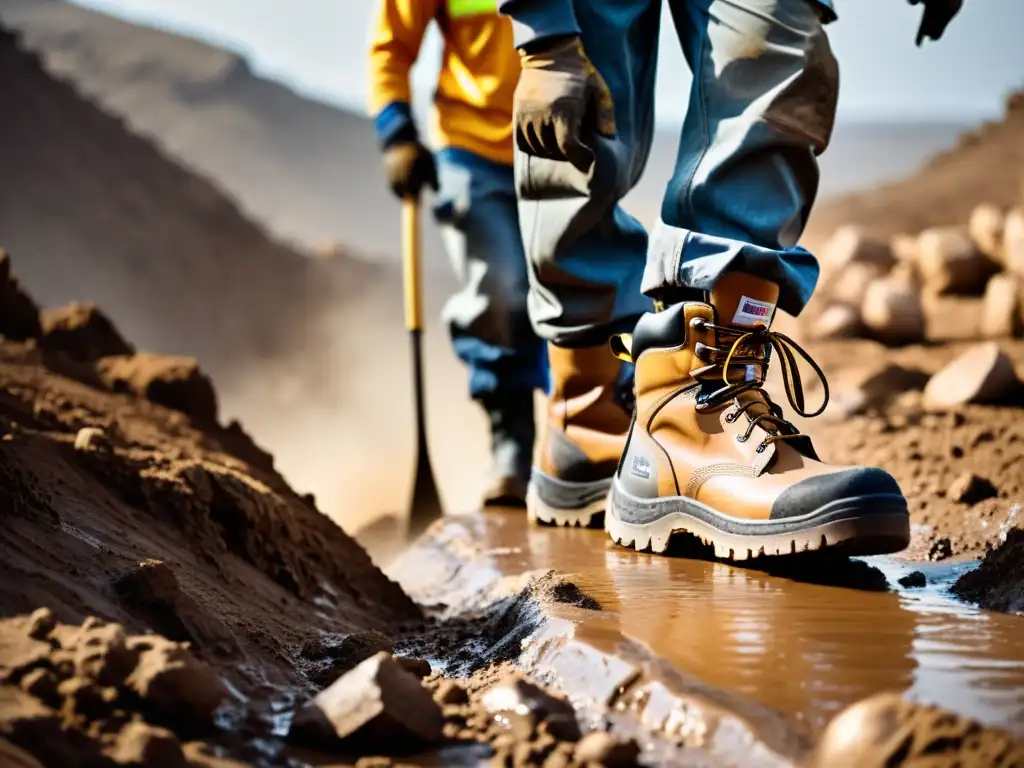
x,y
697,323
741,438
762,447
731,417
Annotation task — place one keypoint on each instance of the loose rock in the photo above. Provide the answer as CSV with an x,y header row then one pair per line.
x,y
40,623
92,440
378,705
102,655
852,243
1003,308
893,312
950,263
83,332
174,382
970,488
522,707
170,677
885,730
985,228
982,374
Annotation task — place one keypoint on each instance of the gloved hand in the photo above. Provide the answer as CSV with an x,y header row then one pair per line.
x,y
409,166
936,17
559,91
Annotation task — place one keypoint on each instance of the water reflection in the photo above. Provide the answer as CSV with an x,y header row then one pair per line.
x,y
790,641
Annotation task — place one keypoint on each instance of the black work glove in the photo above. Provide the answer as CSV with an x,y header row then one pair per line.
x,y
936,17
409,167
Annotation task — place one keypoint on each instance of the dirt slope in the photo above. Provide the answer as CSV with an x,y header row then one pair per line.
x,y
102,215
157,517
293,161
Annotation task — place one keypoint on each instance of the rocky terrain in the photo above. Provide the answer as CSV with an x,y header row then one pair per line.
x,y
171,601
919,320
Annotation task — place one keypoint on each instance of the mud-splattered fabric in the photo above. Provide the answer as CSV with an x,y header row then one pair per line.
x,y
760,109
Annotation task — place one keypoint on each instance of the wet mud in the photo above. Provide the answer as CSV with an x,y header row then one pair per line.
x,y
802,639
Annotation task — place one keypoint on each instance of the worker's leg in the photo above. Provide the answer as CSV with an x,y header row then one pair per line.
x,y
586,257
761,109
710,452
486,317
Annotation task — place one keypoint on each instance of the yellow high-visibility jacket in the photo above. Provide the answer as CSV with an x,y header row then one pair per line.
x,y
479,71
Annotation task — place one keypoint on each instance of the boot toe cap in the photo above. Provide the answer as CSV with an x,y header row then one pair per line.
x,y
868,488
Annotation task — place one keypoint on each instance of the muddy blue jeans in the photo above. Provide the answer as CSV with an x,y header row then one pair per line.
x,y
487,317
760,110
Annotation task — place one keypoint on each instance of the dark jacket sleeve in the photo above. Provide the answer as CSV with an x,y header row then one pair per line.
x,y
535,20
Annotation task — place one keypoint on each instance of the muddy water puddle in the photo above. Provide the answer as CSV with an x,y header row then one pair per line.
x,y
807,642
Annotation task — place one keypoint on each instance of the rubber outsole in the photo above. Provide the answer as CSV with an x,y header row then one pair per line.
x,y
587,509
875,525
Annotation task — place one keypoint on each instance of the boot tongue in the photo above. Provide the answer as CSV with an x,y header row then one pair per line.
x,y
744,301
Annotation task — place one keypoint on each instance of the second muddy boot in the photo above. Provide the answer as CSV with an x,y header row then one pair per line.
x,y
588,416
512,433
711,454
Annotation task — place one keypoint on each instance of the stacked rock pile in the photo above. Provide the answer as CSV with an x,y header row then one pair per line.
x,y
894,290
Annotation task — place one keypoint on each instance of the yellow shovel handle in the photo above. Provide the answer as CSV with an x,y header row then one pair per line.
x,y
411,264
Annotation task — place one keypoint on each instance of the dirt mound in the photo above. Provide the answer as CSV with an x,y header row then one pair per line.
x,y
998,583
986,165
147,513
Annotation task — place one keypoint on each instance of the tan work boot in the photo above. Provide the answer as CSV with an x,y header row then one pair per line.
x,y
710,453
588,416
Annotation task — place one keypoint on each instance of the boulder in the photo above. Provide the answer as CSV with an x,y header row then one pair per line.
x,y
893,312
985,228
1003,307
82,332
378,705
982,374
950,263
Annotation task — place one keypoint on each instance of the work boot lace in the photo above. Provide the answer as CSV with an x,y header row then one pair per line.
x,y
738,364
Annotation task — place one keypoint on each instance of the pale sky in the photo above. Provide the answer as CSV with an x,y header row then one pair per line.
x,y
318,47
